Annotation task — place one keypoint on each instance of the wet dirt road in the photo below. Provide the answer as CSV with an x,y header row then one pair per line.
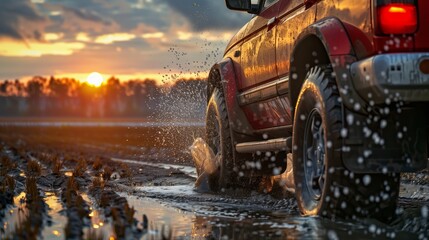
x,y
256,215
157,180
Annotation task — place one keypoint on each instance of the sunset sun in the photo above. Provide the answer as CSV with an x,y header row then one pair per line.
x,y
95,79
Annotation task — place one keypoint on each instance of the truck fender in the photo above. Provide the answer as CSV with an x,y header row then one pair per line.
x,y
340,52
223,75
227,80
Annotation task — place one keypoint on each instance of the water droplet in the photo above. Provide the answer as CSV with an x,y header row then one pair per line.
x,y
399,135
332,235
425,211
350,119
366,180
294,76
372,228
336,193
383,123
367,153
343,133
356,107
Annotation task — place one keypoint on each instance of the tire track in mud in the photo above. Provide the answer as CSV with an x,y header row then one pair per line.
x,y
408,192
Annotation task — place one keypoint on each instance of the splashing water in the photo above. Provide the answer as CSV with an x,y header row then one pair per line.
x,y
206,163
286,180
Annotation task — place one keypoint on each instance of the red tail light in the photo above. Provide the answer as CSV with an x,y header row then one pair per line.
x,y
397,18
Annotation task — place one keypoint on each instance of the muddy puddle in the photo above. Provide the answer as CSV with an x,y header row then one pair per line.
x,y
14,215
98,222
191,215
57,219
205,216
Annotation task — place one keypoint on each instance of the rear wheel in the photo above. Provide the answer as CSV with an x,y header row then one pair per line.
x,y
323,185
218,138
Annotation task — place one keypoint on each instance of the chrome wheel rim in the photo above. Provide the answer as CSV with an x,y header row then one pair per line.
x,y
314,155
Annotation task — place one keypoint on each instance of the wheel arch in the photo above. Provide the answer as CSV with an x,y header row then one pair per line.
x,y
305,49
222,75
329,40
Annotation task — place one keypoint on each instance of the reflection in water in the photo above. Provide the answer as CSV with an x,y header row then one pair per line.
x,y
160,215
199,221
210,217
98,222
54,230
14,215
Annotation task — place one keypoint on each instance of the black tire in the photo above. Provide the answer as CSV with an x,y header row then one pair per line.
x,y
323,185
218,137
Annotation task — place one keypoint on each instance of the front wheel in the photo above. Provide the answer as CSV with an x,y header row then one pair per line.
x,y
218,138
323,186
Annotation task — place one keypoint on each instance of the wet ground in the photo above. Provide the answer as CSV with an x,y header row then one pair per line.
x,y
136,182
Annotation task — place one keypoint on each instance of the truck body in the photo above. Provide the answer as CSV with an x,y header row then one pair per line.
x,y
364,63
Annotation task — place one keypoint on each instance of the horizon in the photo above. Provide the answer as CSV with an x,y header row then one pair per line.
x,y
160,79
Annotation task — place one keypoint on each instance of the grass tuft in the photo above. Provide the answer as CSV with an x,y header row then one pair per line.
x,y
129,214
8,184
31,190
6,165
33,168
80,168
118,225
98,164
56,165
97,183
107,172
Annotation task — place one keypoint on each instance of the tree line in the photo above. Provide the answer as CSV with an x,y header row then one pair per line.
x,y
68,97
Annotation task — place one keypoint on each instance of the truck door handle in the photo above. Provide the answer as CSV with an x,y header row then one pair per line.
x,y
271,22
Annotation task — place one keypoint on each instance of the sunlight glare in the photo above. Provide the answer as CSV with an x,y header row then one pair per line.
x,y
95,79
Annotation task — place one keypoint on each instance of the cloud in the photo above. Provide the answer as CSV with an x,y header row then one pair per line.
x,y
115,37
183,36
83,37
153,35
53,36
86,15
11,48
72,20
14,14
208,15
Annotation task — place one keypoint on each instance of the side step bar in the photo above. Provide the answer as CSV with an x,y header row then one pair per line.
x,y
278,144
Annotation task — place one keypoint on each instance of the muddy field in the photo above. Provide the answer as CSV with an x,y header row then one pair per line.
x,y
134,180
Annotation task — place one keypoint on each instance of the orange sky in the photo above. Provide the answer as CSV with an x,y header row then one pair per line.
x,y
162,40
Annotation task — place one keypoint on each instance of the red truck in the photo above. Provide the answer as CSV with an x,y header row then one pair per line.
x,y
343,85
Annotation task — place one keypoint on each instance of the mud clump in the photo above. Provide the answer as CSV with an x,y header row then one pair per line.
x,y
52,181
